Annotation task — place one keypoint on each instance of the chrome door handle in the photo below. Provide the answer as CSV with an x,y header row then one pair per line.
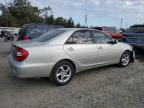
x,y
70,49
100,47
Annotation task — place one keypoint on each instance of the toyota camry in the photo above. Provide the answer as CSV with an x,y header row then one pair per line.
x,y
60,54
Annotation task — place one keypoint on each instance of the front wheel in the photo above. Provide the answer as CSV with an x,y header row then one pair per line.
x,y
62,73
125,59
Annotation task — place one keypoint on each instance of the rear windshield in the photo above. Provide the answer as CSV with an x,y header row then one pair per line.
x,y
49,35
137,29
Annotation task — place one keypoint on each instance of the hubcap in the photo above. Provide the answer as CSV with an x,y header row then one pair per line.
x,y
125,59
63,73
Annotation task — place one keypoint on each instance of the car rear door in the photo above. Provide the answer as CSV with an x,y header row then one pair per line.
x,y
107,51
81,48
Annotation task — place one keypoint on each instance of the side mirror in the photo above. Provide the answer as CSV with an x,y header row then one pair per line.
x,y
113,42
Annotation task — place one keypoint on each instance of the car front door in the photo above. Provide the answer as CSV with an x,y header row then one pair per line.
x,y
81,48
107,50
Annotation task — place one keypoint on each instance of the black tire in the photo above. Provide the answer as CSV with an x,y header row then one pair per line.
x,y
125,63
12,38
55,79
5,40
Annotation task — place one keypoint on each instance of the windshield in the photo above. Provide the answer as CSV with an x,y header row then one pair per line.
x,y
135,30
49,35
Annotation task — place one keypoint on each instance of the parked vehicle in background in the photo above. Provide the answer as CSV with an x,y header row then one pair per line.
x,y
135,36
12,30
32,31
7,35
61,53
2,33
112,31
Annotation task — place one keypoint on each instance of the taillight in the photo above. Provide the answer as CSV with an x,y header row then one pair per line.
x,y
25,37
21,54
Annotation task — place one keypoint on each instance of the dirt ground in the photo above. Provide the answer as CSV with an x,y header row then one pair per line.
x,y
107,87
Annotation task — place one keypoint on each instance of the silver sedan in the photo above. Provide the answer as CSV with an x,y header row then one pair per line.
x,y
61,53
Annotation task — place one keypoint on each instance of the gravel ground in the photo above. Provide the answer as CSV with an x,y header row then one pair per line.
x,y
107,87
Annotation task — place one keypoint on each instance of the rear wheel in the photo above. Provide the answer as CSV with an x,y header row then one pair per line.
x,y
5,39
62,73
125,59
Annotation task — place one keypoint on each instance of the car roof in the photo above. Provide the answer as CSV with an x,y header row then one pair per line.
x,y
42,24
75,29
138,25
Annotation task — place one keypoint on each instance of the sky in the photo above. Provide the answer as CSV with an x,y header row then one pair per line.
x,y
100,12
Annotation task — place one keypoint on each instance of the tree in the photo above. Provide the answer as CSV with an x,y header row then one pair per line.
x,y
24,12
70,22
6,19
61,21
20,12
50,20
20,3
78,25
46,12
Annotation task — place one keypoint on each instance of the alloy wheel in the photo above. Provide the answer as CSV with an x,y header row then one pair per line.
x,y
125,59
63,73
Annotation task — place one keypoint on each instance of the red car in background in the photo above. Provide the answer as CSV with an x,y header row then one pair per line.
x,y
112,31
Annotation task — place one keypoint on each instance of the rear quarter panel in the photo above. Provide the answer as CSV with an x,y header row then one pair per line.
x,y
46,53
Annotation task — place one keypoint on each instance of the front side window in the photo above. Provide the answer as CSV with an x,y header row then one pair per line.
x,y
80,37
101,37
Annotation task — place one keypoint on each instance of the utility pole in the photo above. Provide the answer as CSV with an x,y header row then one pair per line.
x,y
86,19
126,25
52,13
121,22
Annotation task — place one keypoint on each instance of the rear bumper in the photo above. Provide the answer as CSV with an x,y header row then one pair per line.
x,y
24,70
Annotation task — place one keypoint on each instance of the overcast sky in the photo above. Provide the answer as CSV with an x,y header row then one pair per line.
x,y
100,12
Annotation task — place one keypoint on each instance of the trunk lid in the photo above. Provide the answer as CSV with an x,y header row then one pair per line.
x,y
26,44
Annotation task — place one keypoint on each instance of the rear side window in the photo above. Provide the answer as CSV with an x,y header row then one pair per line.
x,y
49,35
80,37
